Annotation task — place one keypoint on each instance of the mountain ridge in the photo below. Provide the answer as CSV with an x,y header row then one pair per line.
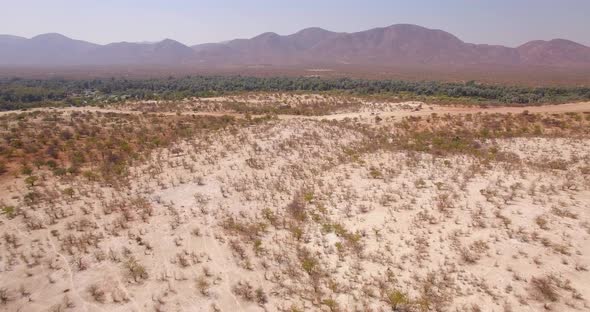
x,y
399,44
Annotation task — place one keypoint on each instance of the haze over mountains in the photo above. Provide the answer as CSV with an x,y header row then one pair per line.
x,y
394,45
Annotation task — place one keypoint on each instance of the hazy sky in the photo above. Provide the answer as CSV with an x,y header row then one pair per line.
x,y
508,22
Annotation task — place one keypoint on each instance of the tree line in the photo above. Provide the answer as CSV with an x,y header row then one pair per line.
x,y
19,93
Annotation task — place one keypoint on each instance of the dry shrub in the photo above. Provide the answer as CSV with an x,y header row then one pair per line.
x,y
203,285
545,288
4,296
98,293
136,270
296,208
244,290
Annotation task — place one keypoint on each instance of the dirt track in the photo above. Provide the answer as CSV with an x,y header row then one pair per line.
x,y
441,110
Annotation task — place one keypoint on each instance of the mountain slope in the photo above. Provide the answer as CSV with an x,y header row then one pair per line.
x,y
554,52
9,39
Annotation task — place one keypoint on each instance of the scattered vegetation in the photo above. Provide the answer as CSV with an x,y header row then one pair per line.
x,y
94,145
294,214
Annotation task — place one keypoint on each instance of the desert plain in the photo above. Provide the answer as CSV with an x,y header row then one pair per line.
x,y
339,204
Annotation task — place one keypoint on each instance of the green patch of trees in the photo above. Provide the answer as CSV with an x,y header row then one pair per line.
x,y
26,93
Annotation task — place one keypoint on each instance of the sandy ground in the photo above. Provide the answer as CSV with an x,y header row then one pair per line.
x,y
401,109
442,110
281,217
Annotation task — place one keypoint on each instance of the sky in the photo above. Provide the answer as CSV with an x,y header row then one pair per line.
x,y
506,22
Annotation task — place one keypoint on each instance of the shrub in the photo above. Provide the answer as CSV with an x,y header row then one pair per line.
x,y
331,304
136,270
375,173
69,192
309,263
31,180
297,232
9,211
26,170
397,300
203,285
244,290
296,208
97,293
308,197
270,216
261,297
542,222
545,287
4,296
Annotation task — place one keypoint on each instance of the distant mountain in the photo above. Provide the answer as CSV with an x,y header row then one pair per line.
x,y
124,53
47,49
267,48
58,50
394,45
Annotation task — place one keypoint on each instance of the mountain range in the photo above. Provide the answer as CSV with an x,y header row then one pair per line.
x,y
400,44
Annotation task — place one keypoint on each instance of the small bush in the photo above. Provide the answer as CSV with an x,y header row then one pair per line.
x,y
4,296
9,211
203,285
397,300
136,270
30,181
542,222
261,297
545,287
97,293
331,304
296,208
244,290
